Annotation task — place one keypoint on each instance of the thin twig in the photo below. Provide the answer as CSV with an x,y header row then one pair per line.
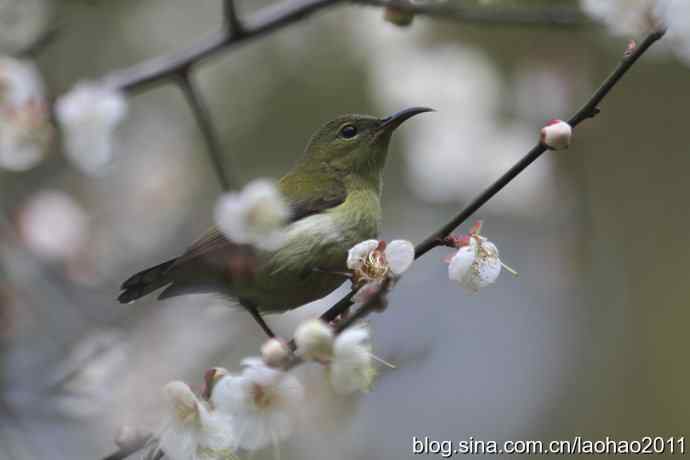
x,y
231,19
589,110
205,121
373,303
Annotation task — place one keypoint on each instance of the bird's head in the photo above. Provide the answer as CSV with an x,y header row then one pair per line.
x,y
353,143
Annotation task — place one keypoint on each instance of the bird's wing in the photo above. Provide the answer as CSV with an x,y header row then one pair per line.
x,y
213,240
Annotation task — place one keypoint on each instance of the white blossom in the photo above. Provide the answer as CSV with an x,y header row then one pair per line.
x,y
275,352
556,134
88,115
53,226
352,367
25,130
475,265
400,255
256,215
358,254
677,14
261,400
314,340
373,260
639,17
195,432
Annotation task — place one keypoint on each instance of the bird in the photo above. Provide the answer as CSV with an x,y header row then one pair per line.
x,y
334,196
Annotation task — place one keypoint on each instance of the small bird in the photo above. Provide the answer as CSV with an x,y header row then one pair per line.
x,y
334,194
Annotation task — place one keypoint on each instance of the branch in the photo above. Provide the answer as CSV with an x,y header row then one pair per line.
x,y
203,117
178,66
164,68
589,110
518,16
231,18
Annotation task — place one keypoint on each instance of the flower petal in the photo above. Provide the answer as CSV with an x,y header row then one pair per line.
x,y
314,339
400,255
352,367
358,253
461,263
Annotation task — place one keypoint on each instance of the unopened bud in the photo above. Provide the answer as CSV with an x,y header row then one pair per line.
x,y
274,352
314,340
556,135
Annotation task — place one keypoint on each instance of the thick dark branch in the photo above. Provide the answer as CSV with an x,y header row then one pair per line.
x,y
164,68
589,110
276,17
205,122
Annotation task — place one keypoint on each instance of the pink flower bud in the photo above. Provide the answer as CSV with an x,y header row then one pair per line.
x,y
556,135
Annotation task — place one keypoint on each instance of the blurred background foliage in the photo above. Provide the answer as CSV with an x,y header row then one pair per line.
x,y
590,339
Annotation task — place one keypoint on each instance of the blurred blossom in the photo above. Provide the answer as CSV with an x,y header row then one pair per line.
x,y
314,340
22,22
255,215
275,352
352,368
262,402
25,130
466,146
677,13
53,226
89,114
194,431
639,17
625,17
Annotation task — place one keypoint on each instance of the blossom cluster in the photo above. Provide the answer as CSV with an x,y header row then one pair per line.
x,y
87,115
25,129
258,406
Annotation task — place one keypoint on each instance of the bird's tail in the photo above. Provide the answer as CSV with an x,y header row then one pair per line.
x,y
146,281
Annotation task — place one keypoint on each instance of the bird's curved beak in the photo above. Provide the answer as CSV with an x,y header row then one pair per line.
x,y
395,120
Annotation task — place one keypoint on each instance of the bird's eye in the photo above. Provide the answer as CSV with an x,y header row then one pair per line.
x,y
348,131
